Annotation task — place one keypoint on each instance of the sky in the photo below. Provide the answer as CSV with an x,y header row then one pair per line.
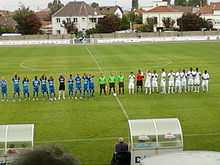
x,y
42,4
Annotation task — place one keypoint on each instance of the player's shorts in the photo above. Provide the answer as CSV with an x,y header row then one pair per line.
x,y
62,87
178,83
154,84
70,88
44,89
197,82
111,85
147,84
91,86
139,83
205,83
36,90
131,86
86,87
190,82
183,83
16,89
4,91
171,83
121,84
26,91
78,86
51,90
163,83
102,86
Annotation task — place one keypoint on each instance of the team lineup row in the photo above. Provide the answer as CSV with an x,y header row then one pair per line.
x,y
180,81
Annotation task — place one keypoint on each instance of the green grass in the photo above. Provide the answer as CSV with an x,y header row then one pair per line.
x,y
101,117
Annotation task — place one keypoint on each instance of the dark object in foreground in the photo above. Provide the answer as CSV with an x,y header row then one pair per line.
x,y
46,155
121,158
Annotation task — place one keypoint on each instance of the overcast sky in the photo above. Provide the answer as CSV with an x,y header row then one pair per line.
x,y
42,4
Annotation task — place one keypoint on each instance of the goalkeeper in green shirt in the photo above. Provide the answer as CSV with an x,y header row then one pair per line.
x,y
112,80
121,84
102,82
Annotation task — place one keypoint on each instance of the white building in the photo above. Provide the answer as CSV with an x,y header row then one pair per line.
x,y
212,13
83,15
111,10
160,12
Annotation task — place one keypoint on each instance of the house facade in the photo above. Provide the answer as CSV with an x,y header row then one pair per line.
x,y
111,10
83,15
211,13
161,12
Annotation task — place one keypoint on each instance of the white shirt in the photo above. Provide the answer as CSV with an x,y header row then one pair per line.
x,y
131,79
183,76
163,76
171,76
205,76
190,75
197,76
154,77
148,77
178,76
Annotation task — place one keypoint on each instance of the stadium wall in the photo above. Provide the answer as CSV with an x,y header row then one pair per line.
x,y
110,40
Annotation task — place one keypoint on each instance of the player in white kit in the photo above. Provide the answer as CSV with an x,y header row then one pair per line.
x,y
183,76
154,82
197,80
190,80
205,81
148,82
178,87
171,82
163,78
131,83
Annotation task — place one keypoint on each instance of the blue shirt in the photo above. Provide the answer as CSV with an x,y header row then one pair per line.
x,y
36,83
70,82
43,82
16,82
3,84
78,80
26,84
51,83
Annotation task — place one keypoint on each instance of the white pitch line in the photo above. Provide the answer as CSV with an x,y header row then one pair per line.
x,y
111,138
23,66
101,70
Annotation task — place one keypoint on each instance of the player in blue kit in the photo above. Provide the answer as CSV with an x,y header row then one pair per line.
x,y
36,85
25,84
71,86
4,89
44,89
91,85
86,91
16,85
51,89
78,86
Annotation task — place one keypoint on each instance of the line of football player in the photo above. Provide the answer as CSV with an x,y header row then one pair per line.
x,y
152,82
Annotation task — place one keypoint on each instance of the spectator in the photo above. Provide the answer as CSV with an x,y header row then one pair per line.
x,y
45,156
121,146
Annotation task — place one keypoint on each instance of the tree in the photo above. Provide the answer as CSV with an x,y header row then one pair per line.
x,y
197,2
108,24
168,22
191,22
27,21
149,26
46,155
94,5
70,27
180,2
125,24
55,6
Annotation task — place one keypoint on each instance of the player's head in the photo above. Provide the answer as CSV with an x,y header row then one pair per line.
x,y
139,71
206,71
184,70
191,69
71,75
163,69
155,71
16,76
35,77
132,72
197,69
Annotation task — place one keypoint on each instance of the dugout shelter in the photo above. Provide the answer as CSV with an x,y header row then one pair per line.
x,y
150,137
16,138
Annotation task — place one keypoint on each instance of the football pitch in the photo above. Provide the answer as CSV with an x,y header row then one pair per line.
x,y
90,128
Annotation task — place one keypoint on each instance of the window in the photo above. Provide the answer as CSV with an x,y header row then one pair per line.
x,y
75,20
93,20
58,20
68,20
